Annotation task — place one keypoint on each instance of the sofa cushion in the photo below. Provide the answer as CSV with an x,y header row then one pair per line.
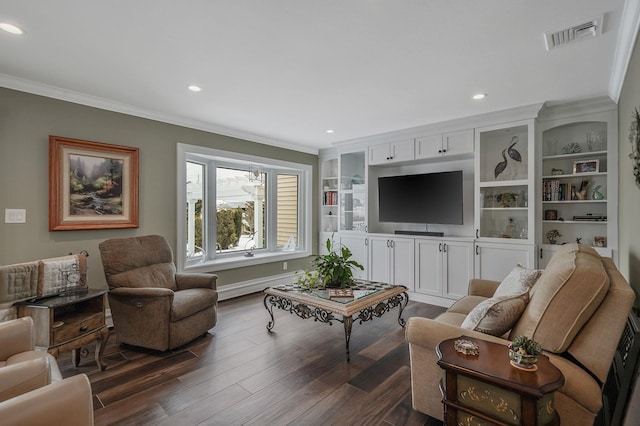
x,y
565,296
497,315
519,280
161,275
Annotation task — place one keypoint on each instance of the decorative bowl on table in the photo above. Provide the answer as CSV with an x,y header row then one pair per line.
x,y
523,360
523,353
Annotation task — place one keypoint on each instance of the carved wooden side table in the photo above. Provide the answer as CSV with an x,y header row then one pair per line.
x,y
486,388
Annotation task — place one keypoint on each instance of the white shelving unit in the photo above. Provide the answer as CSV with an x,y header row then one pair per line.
x,y
575,154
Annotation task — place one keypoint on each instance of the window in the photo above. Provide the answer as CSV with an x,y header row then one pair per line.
x,y
236,209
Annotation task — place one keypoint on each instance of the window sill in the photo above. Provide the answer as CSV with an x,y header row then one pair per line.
x,y
243,261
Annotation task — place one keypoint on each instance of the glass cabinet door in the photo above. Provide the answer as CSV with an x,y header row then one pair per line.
x,y
353,192
504,165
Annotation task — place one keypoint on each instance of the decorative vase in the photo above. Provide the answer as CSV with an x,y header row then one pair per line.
x,y
597,195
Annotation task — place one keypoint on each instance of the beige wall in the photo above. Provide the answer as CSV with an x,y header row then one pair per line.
x,y
629,211
26,121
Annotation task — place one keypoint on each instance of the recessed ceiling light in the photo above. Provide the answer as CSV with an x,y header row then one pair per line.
x,y
329,131
10,28
479,96
194,88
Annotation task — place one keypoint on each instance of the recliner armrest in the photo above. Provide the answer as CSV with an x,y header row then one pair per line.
x,y
141,292
186,281
67,402
16,336
484,288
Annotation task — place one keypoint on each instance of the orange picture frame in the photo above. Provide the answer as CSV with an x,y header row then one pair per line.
x,y
92,185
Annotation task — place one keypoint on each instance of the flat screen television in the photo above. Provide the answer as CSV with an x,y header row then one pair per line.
x,y
431,198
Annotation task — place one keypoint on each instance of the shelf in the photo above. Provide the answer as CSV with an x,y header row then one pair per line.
x,y
574,175
587,222
576,155
505,208
574,201
503,183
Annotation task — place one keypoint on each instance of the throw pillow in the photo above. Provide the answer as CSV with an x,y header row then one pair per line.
x,y
519,280
497,315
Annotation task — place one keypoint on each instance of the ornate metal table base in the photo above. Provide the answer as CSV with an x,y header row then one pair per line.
x,y
304,311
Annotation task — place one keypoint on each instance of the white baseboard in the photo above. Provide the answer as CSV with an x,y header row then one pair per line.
x,y
431,300
252,286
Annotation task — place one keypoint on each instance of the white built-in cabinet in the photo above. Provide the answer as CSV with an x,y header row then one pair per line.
x,y
516,163
391,260
443,267
358,244
393,152
494,261
445,144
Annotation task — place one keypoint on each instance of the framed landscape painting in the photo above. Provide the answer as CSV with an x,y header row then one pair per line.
x,y
92,185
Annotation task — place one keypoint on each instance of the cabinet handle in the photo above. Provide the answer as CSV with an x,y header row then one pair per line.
x,y
439,151
444,150
477,251
84,328
444,247
393,243
388,243
366,241
477,234
440,247
540,253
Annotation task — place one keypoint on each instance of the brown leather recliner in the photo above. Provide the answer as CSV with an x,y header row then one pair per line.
x,y
152,306
32,391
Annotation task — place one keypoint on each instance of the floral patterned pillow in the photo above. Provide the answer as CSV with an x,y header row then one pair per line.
x,y
497,315
519,280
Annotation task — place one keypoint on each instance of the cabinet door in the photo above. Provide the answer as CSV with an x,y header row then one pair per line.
x,y
379,257
455,143
458,267
428,258
429,146
379,154
402,150
402,262
494,261
359,246
353,191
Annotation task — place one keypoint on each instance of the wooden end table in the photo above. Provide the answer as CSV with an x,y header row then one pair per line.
x,y
487,388
68,322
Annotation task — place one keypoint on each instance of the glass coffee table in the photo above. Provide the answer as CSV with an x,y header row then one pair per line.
x,y
362,301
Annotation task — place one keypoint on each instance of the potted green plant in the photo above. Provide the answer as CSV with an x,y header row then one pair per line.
x,y
336,267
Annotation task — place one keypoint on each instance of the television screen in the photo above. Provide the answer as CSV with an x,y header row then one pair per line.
x,y
432,198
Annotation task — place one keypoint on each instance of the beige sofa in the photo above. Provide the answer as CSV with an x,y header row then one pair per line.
x,y
577,310
32,391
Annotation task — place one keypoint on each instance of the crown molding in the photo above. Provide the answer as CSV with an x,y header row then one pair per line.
x,y
629,25
54,92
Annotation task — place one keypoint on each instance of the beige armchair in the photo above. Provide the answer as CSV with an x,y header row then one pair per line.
x,y
32,391
152,306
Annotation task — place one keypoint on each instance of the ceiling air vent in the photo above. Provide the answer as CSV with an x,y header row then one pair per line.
x,y
592,28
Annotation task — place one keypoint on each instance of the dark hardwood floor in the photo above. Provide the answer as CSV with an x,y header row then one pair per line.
x,y
241,374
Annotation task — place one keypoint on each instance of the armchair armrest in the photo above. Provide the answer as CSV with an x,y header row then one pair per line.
x,y
484,288
186,281
23,377
16,336
427,333
141,292
67,402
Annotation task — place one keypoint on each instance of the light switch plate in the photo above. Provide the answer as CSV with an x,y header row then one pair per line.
x,y
15,216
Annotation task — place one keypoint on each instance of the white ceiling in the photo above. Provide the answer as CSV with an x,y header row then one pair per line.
x,y
284,71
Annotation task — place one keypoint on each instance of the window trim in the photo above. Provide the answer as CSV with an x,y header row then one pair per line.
x,y
204,155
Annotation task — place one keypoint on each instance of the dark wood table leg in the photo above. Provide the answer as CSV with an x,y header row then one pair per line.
x,y
101,342
348,323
